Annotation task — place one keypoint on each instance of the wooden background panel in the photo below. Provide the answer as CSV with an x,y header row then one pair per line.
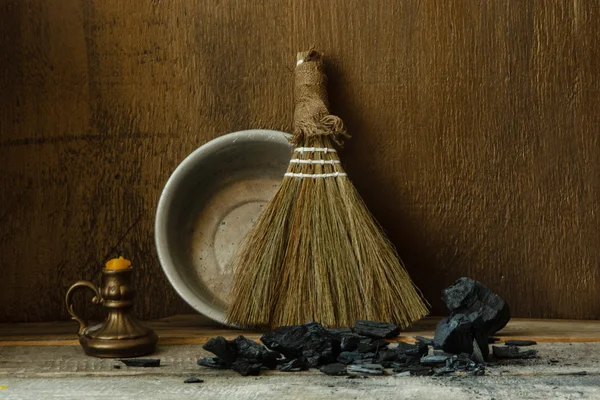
x,y
474,134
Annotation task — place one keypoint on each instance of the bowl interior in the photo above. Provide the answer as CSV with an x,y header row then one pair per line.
x,y
209,203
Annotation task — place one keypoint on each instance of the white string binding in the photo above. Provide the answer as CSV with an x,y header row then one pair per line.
x,y
322,162
331,175
299,62
315,150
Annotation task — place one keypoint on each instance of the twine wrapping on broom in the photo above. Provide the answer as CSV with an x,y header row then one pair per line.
x,y
311,116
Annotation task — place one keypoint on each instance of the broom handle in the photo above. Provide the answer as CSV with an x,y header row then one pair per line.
x,y
311,114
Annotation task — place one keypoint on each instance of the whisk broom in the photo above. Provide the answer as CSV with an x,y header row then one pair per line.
x,y
316,253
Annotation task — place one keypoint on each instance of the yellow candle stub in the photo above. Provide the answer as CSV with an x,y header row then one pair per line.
x,y
118,263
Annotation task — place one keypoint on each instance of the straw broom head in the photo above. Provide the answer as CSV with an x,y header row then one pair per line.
x,y
316,253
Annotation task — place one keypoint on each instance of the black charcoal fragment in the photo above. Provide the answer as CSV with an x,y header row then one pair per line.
x,y
467,296
520,343
212,362
250,350
477,354
348,357
334,369
142,362
220,347
492,339
376,329
341,332
193,380
434,360
246,367
350,343
512,352
310,340
456,333
295,365
419,349
371,369
424,340
116,366
372,345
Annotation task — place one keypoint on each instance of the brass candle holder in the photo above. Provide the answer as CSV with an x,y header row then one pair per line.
x,y
121,334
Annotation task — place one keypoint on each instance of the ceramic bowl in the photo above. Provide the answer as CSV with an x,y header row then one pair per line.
x,y
207,206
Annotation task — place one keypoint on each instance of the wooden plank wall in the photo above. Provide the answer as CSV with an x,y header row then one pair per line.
x,y
475,130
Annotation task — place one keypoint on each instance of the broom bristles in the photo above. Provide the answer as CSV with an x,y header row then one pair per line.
x,y
316,253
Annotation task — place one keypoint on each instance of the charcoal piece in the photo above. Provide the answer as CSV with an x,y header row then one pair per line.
x,y
250,350
387,355
434,360
347,357
357,377
142,362
492,339
424,340
456,333
193,379
212,362
350,343
405,361
246,367
220,347
419,349
116,366
520,343
372,346
295,365
477,354
371,369
334,369
341,332
512,352
416,370
310,340
376,329
467,296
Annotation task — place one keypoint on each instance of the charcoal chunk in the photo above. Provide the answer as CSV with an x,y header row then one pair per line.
x,y
142,362
424,340
341,332
309,340
372,345
376,329
512,352
456,334
193,379
419,349
220,347
348,357
295,365
520,342
350,343
116,366
357,377
334,369
434,360
467,296
212,362
493,339
371,369
246,367
248,349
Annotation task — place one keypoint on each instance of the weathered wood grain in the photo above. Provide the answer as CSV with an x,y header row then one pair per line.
x,y
475,134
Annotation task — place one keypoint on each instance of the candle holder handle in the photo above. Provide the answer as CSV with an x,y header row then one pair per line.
x,y
69,301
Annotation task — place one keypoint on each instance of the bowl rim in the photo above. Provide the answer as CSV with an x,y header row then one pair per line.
x,y
167,198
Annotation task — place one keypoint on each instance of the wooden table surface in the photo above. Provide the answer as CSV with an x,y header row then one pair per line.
x,y
192,329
